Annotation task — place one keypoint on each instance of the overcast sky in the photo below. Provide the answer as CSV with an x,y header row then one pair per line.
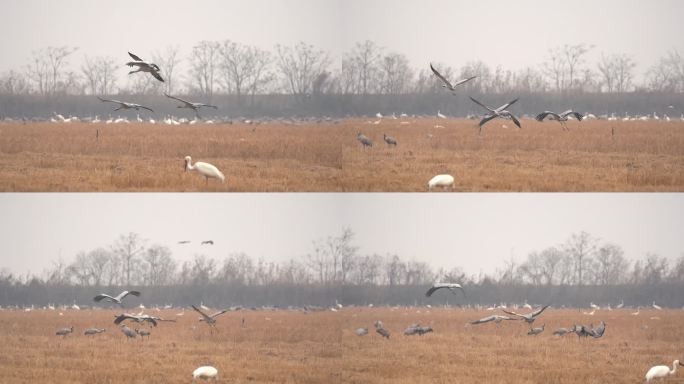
x,y
477,232
511,34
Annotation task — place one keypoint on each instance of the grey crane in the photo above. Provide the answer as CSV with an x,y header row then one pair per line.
x,y
598,331
184,242
207,242
447,84
363,139
209,319
500,112
450,286
188,104
495,318
138,319
65,331
528,317
416,329
562,118
130,334
380,329
143,333
563,331
93,331
144,66
125,105
389,140
536,331
584,331
361,331
115,299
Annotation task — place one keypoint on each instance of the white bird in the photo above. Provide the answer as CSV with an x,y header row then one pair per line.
x,y
637,312
450,286
591,304
448,85
205,169
187,104
116,299
500,112
446,181
661,371
125,105
656,306
440,115
143,66
622,304
205,373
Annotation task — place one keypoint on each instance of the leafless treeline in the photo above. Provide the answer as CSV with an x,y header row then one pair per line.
x,y
335,261
302,70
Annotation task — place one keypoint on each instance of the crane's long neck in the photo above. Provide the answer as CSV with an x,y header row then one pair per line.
x,y
188,165
674,367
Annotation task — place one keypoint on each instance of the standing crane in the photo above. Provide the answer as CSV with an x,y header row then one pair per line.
x,y
205,169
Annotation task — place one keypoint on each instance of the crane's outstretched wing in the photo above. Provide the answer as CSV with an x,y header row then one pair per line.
x,y
157,76
101,297
136,58
218,313
178,99
201,313
126,293
501,108
515,120
481,105
444,80
543,115
538,311
144,107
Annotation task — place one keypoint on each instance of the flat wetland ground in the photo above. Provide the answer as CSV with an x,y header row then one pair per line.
x,y
321,347
596,155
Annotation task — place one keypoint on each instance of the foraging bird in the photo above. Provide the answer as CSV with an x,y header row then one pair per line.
x,y
389,140
116,299
448,85
536,331
65,331
205,169
361,331
445,181
125,105
528,317
187,104
363,139
495,318
562,118
143,333
144,66
500,112
205,373
130,334
563,331
450,286
209,319
209,242
380,329
661,371
598,331
416,329
93,331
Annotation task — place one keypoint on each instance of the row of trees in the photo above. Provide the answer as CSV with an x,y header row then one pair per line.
x,y
335,261
302,70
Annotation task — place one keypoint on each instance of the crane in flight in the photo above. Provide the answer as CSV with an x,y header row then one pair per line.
x,y
144,66
447,84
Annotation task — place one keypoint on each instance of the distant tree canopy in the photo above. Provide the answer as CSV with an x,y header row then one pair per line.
x,y
582,263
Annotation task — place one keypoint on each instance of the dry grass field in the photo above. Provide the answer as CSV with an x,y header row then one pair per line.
x,y
320,347
592,156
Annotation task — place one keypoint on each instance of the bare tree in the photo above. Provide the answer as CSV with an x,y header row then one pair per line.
x,y
580,247
481,70
79,269
555,68
168,60
364,60
158,266
204,61
243,68
128,247
395,74
611,265
47,66
202,270
99,74
668,74
395,270
99,261
616,72
574,58
237,268
655,269
14,83
300,66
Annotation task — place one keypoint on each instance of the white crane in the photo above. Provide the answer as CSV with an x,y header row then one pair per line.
x,y
117,299
205,169
188,104
450,286
205,373
661,371
125,105
144,66
656,306
447,84
445,181
500,112
440,115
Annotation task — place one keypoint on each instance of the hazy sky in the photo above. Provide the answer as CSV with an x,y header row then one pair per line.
x,y
511,34
477,232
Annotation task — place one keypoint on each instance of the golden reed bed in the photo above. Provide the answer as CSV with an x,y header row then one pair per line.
x,y
592,156
321,347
